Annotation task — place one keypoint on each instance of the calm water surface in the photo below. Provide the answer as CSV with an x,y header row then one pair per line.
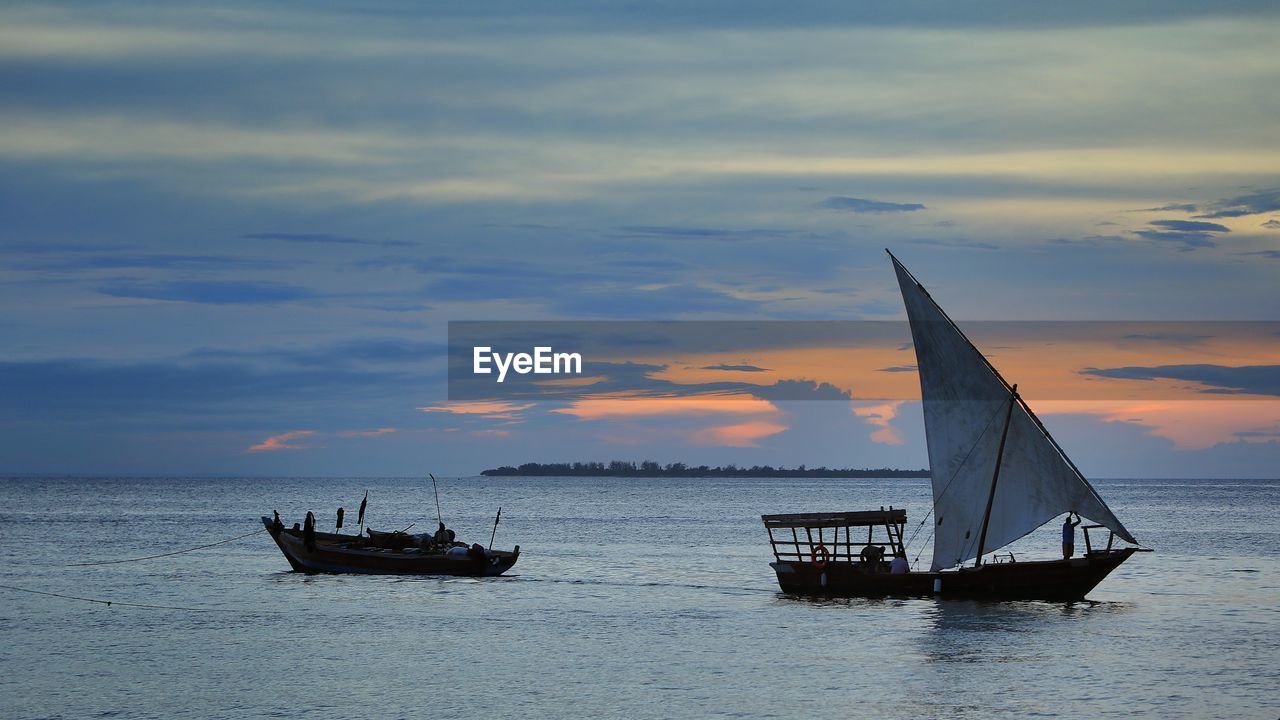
x,y
632,599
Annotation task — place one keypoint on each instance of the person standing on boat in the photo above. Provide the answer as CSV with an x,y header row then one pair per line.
x,y
1069,536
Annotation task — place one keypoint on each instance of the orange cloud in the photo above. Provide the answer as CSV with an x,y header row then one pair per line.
x,y
1190,424
741,435
623,406
492,410
281,442
881,416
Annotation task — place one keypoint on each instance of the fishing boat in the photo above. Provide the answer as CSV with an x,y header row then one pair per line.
x,y
386,553
997,475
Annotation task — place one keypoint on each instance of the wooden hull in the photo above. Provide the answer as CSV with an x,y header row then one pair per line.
x,y
1057,580
347,554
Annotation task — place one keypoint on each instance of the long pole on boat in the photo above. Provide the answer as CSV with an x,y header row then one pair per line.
x,y
439,515
494,534
991,498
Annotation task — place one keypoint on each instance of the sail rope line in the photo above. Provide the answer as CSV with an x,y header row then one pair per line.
x,y
168,554
109,603
946,487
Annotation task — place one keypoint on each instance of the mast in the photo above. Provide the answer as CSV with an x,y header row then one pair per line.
x,y
991,498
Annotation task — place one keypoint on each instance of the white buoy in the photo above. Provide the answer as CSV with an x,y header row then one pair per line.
x,y
937,585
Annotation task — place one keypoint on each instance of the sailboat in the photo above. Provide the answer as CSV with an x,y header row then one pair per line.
x,y
997,475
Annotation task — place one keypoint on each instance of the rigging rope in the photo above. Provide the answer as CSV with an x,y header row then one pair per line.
x,y
175,552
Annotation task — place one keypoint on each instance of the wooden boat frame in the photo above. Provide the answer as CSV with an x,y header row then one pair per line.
x,y
336,553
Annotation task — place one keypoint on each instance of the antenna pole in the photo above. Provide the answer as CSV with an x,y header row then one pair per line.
x,y
434,487
991,498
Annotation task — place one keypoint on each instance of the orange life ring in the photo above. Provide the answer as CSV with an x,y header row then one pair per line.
x,y
815,552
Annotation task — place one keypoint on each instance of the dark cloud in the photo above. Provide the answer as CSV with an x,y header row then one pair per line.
x,y
323,239
1221,379
146,261
1172,207
1268,254
1252,204
736,368
785,390
1190,234
701,232
654,304
90,391
348,353
900,369
1271,224
1190,226
958,244
211,292
862,205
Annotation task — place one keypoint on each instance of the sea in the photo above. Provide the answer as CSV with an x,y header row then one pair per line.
x,y
633,598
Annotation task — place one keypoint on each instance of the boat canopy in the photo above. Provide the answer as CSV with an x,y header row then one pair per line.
x,y
966,407
860,518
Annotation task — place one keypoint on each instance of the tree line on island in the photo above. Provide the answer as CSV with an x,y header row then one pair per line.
x,y
649,468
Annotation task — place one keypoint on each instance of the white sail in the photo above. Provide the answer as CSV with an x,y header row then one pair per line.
x,y
965,406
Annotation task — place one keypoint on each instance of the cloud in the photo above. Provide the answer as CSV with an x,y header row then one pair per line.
x,y
1252,204
186,392
900,369
1190,226
602,407
1190,234
489,410
739,435
862,205
801,390
1220,379
702,232
156,261
968,244
1272,224
1171,207
736,368
211,292
1268,254
284,441
324,239
881,417
366,433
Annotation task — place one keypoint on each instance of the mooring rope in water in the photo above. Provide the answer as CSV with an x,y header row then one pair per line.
x,y
109,603
175,552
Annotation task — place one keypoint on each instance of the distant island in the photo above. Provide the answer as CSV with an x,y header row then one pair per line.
x,y
648,468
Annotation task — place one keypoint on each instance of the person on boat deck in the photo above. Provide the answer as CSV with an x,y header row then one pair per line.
x,y
871,556
899,564
444,536
1069,536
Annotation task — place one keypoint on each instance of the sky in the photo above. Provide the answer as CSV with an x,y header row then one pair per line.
x,y
233,237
